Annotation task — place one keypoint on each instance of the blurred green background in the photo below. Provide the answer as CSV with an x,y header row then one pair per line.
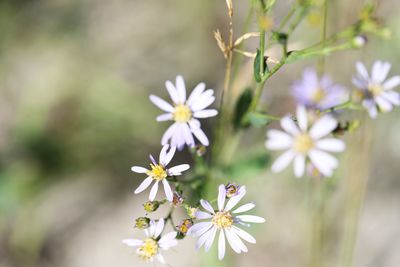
x,y
75,76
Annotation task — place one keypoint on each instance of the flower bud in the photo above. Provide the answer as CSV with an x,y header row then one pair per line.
x,y
359,41
177,199
201,150
191,212
183,228
231,189
151,206
142,223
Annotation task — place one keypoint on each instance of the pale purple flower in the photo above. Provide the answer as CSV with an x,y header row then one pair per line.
x,y
185,113
303,141
375,92
151,247
159,173
316,93
225,221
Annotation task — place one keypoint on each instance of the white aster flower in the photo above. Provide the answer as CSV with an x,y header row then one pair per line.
x,y
151,247
303,141
185,113
225,221
374,90
159,173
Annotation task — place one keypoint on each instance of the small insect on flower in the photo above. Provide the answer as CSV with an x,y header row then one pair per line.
x,y
231,190
159,173
185,113
151,247
316,93
374,91
303,142
225,221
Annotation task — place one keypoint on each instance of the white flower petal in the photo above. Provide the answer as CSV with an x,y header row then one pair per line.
x,y
196,93
324,162
139,169
323,127
278,140
187,135
201,136
153,191
206,205
235,199
362,70
251,218
391,83
392,96
384,105
168,240
234,240
132,242
206,113
177,139
201,215
173,93
165,117
180,87
161,103
244,208
159,227
331,145
163,154
302,118
299,165
371,107
205,100
177,170
289,126
221,245
200,228
204,237
160,258
244,235
210,239
169,156
361,84
152,228
221,197
380,71
283,161
167,189
146,182
168,134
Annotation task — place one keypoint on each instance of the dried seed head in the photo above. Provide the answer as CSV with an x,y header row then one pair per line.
x,y
151,206
221,44
245,37
230,7
142,223
177,199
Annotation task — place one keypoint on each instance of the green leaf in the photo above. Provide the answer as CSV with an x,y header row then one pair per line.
x,y
242,106
257,67
249,165
258,119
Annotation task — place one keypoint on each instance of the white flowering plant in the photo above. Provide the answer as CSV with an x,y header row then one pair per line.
x,y
307,136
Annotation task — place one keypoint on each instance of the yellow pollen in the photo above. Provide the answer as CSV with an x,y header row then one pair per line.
x,y
182,113
375,90
318,95
303,143
157,172
148,250
222,219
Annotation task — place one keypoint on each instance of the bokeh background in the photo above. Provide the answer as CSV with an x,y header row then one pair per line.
x,y
75,76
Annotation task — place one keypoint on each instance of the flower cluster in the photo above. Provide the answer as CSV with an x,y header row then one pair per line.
x,y
185,113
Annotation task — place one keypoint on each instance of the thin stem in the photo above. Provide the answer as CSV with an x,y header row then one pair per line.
x,y
321,63
288,16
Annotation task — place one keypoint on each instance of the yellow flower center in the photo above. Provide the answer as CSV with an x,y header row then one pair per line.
x,y
157,172
222,219
375,89
148,250
303,143
182,113
318,95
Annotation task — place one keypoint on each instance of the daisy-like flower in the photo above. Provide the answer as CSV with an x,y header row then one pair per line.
x,y
152,246
316,93
225,221
159,173
374,91
304,141
185,113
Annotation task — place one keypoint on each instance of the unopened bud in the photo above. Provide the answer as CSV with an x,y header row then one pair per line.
x,y
359,41
191,212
